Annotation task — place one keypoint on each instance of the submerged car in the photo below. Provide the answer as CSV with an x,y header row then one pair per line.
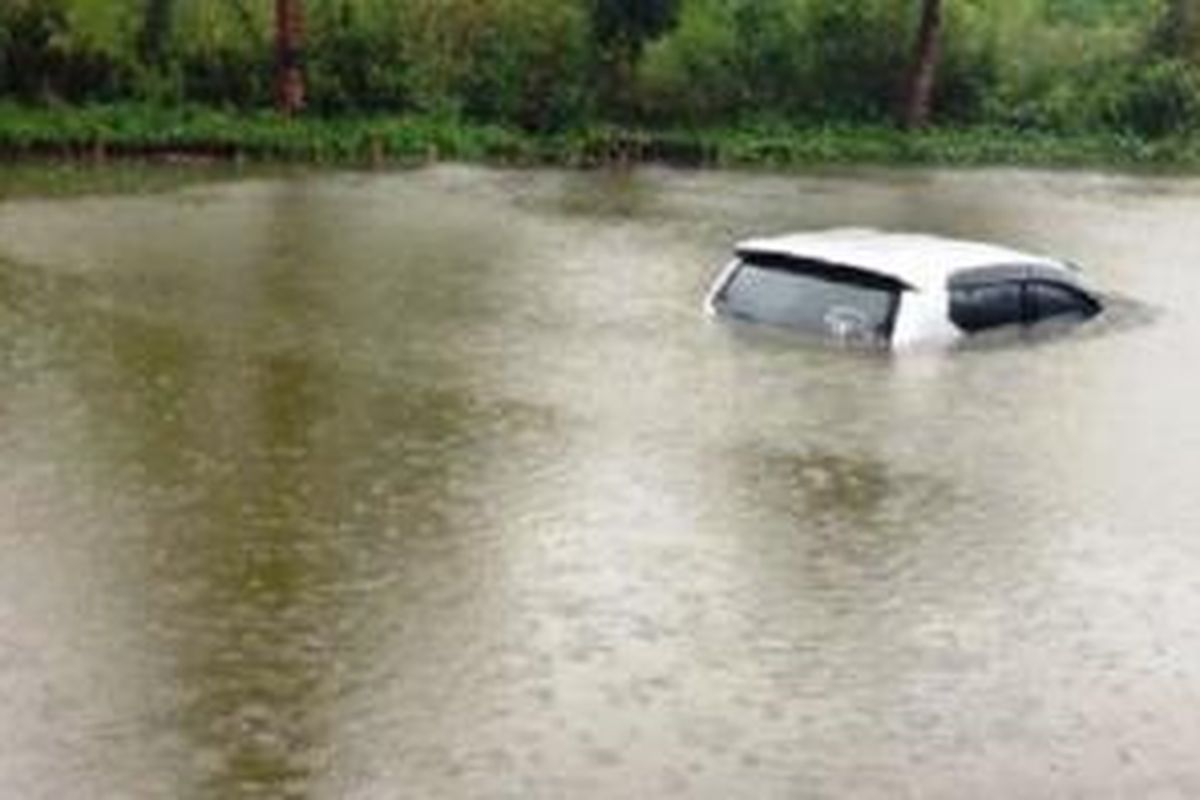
x,y
897,289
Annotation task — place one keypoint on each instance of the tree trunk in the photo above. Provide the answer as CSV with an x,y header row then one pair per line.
x,y
289,55
922,77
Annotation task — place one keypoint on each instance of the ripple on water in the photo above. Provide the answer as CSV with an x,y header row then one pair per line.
x,y
438,482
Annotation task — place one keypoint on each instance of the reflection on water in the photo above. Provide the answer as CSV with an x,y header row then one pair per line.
x,y
440,484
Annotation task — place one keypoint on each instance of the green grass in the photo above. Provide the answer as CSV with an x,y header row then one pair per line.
x,y
203,133
200,132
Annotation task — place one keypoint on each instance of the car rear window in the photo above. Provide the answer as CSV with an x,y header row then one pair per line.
x,y
812,297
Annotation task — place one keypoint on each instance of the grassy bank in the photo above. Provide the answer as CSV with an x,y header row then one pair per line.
x,y
97,133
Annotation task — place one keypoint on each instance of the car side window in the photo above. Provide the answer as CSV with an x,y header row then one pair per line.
x,y
978,307
1048,300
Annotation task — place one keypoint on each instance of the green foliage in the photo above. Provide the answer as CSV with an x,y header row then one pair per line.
x,y
154,34
355,65
140,130
630,23
1064,66
530,66
518,61
1177,34
778,58
226,75
1157,98
860,48
41,57
221,53
693,75
620,30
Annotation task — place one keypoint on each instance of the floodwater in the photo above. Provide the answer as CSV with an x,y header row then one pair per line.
x,y
437,484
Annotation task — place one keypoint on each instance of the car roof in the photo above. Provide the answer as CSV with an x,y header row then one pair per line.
x,y
919,261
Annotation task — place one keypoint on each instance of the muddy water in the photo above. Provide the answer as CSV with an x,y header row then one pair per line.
x,y
438,485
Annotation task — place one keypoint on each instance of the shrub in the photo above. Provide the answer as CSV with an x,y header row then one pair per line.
x,y
41,60
357,64
1156,98
693,74
225,75
772,58
531,66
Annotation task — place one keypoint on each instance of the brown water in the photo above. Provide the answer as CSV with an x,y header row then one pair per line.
x,y
439,485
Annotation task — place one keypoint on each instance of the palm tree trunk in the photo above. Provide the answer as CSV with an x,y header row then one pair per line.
x,y
922,77
289,55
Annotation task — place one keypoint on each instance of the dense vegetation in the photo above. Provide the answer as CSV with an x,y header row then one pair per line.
x,y
1108,68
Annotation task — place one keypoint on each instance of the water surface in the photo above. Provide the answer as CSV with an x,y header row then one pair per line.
x,y
439,484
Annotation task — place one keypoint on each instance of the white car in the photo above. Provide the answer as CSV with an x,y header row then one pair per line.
x,y
896,289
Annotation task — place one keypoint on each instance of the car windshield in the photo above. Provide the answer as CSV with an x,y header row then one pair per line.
x,y
815,298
